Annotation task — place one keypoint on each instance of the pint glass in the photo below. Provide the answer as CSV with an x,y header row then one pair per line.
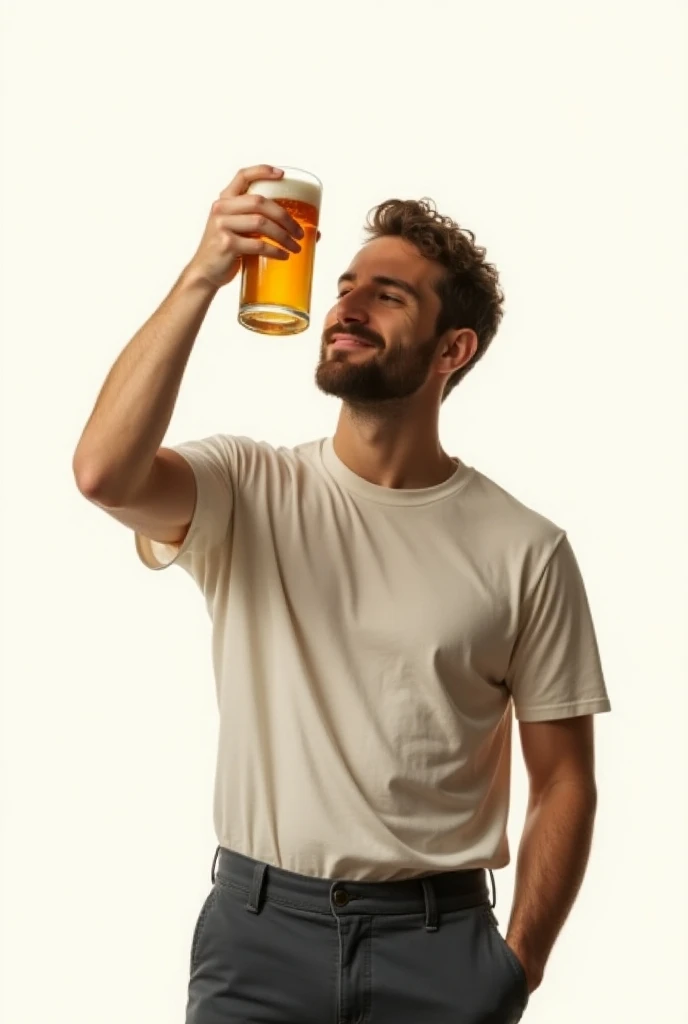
x,y
276,294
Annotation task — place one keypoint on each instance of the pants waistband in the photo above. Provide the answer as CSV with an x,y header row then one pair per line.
x,y
431,895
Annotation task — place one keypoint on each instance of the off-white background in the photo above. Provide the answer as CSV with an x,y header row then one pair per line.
x,y
557,133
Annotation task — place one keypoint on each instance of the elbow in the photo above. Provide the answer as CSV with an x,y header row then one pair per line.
x,y
90,483
94,483
577,788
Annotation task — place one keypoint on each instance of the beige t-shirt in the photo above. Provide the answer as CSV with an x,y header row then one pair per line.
x,y
368,644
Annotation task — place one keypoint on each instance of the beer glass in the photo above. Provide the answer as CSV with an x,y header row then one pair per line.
x,y
276,294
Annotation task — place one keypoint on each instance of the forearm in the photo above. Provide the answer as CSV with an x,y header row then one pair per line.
x,y
135,406
552,860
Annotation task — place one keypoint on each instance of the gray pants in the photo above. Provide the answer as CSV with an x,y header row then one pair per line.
x,y
273,947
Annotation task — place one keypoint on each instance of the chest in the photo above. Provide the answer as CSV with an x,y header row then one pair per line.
x,y
407,589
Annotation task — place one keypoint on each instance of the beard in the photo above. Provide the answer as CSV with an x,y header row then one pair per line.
x,y
383,375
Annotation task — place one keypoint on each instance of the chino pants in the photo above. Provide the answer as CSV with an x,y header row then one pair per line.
x,y
274,947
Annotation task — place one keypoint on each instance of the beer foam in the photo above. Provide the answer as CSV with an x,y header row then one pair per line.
x,y
289,188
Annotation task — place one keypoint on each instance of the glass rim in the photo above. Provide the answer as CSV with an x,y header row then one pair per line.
x,y
290,171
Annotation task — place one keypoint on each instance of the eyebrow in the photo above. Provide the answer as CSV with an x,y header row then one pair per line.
x,y
389,282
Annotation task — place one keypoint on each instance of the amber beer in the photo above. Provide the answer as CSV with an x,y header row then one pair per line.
x,y
276,294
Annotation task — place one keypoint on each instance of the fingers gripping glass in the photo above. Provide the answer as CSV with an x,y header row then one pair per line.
x,y
276,294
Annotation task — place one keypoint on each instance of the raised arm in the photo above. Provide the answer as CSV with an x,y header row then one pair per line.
x,y
119,463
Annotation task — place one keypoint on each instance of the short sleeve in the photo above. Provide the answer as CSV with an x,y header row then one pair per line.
x,y
555,670
213,463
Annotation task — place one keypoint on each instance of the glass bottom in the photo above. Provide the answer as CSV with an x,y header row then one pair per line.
x,y
269,319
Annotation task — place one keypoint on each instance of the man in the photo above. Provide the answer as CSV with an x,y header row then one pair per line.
x,y
377,608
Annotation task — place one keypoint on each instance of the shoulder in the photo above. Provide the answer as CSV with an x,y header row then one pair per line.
x,y
507,524
247,460
503,506
238,446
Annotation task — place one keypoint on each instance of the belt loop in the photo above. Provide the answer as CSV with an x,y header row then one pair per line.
x,y
431,923
256,888
493,904
212,870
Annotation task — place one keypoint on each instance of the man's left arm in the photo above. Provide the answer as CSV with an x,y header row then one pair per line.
x,y
555,845
556,680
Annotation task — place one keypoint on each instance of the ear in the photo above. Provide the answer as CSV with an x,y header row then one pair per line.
x,y
458,347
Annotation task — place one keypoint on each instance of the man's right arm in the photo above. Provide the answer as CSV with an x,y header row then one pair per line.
x,y
119,463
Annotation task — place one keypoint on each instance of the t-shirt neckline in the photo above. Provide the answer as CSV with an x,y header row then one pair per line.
x,y
350,481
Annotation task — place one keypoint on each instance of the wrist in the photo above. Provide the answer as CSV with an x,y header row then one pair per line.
x,y
531,960
193,280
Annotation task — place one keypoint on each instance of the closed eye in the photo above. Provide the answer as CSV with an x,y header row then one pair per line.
x,y
385,296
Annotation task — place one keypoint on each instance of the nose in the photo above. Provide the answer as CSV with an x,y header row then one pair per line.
x,y
351,308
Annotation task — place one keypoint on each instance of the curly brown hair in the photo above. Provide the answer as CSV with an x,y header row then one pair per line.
x,y
469,292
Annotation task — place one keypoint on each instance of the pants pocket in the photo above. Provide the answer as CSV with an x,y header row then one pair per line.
x,y
512,962
200,926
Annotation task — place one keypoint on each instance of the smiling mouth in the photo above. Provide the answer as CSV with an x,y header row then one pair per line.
x,y
348,341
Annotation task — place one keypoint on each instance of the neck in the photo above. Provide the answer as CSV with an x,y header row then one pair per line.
x,y
391,447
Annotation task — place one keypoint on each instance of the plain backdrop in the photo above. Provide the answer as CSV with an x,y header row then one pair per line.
x,y
556,132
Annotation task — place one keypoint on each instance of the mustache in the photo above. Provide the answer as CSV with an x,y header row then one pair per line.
x,y
356,331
